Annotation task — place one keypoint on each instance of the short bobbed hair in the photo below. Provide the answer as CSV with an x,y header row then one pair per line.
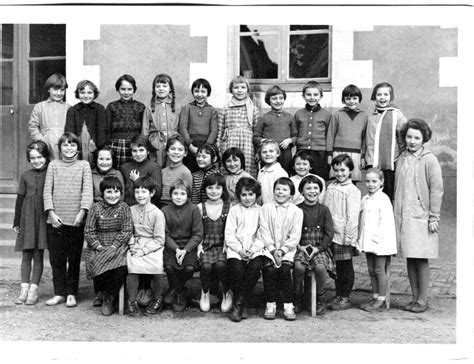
x,y
56,80
129,79
210,149
303,155
382,84
82,85
145,182
110,182
377,171
249,184
202,82
216,179
272,91
233,152
69,137
343,159
310,178
177,138
285,181
239,79
140,140
351,90
181,184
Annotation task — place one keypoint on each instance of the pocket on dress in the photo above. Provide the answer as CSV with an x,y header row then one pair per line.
x,y
417,211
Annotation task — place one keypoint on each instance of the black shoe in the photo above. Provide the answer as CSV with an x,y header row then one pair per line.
x,y
154,307
179,303
98,300
107,305
236,313
133,309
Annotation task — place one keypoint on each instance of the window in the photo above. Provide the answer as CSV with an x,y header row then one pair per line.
x,y
284,54
47,55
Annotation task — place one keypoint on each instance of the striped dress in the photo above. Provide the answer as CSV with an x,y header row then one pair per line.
x,y
197,194
107,225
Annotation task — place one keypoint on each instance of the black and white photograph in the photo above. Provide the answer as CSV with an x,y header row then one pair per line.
x,y
206,181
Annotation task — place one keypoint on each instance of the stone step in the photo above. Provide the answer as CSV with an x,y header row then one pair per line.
x,y
6,215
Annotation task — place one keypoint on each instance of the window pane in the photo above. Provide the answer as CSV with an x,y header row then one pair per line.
x,y
309,56
47,40
7,41
308,27
39,73
7,83
259,56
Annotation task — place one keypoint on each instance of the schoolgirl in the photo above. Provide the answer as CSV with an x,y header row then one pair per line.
x,y
124,119
103,168
207,159
211,253
87,120
67,198
237,121
30,222
233,161
48,117
198,122
160,120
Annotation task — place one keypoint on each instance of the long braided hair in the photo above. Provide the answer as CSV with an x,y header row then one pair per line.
x,y
162,78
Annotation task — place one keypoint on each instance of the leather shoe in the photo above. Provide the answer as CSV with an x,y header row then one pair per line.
x,y
419,308
154,307
408,306
108,305
179,303
98,300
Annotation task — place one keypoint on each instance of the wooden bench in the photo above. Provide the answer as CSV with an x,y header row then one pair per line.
x,y
121,300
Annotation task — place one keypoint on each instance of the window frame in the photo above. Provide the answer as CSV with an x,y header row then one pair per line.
x,y
283,32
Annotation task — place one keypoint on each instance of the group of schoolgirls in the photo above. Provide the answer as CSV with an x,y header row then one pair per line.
x,y
166,208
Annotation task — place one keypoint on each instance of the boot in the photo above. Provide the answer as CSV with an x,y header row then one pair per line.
x,y
23,294
32,298
236,313
321,303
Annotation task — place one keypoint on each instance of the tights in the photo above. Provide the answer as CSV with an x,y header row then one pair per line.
x,y
206,275
378,276
133,285
298,277
177,278
345,277
243,275
30,256
419,277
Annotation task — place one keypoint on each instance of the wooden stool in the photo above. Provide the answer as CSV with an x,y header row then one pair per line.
x,y
313,295
121,300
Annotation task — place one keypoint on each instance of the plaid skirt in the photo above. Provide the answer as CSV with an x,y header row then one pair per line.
x,y
122,151
343,252
213,255
325,258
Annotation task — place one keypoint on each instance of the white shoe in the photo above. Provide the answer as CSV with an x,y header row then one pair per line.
x,y
55,300
71,301
23,294
289,311
32,298
226,303
270,311
204,302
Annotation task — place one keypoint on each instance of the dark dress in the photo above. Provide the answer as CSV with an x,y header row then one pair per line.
x,y
29,211
213,242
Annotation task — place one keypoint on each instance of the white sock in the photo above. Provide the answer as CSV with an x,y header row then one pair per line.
x,y
381,298
376,295
33,286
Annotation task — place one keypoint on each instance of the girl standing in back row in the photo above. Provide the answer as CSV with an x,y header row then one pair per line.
x,y
237,121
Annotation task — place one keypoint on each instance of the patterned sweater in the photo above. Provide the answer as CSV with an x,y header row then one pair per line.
x,y
67,189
